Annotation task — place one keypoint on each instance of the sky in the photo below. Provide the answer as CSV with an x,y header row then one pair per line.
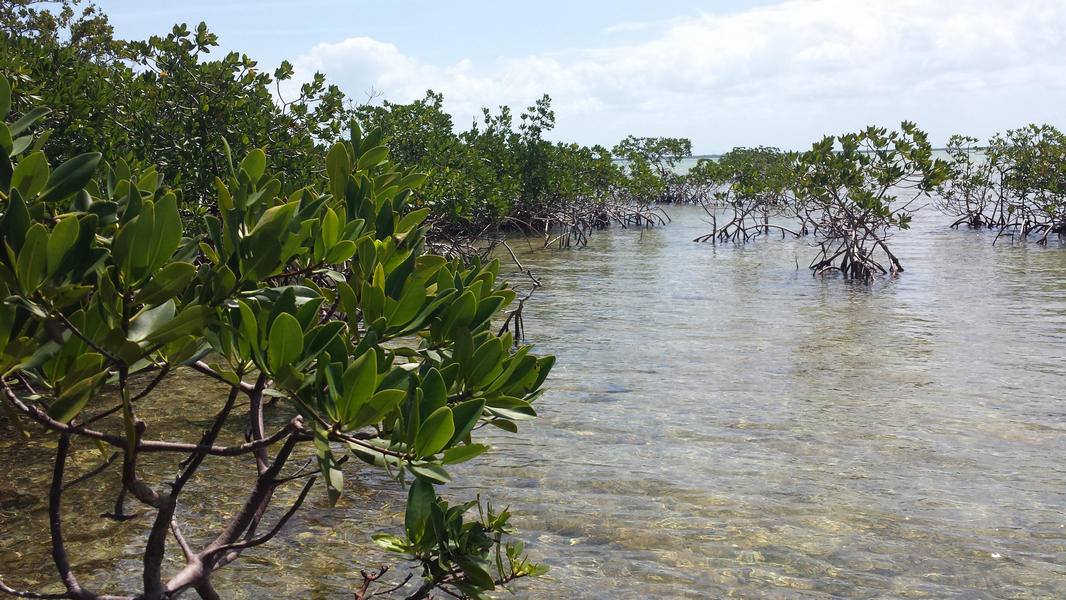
x,y
723,73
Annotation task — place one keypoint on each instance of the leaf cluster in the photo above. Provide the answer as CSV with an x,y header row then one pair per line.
x,y
322,297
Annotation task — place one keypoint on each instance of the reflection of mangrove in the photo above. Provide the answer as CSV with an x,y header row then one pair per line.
x,y
572,223
563,225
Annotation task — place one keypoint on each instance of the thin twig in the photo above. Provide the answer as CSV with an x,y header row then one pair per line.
x,y
277,527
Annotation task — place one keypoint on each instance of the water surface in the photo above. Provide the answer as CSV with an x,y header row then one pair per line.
x,y
721,423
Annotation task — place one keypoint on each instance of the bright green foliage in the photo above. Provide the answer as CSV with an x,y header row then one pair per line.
x,y
847,191
321,297
469,553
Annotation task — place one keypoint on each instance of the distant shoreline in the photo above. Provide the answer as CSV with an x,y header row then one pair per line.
x,y
716,156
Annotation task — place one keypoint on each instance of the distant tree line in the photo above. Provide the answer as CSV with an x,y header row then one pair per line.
x,y
169,102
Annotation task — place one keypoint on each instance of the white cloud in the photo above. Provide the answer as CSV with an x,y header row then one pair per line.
x,y
783,74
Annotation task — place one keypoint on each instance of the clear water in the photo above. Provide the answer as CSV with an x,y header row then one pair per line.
x,y
722,424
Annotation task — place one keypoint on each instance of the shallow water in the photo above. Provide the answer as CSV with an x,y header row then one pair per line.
x,y
722,424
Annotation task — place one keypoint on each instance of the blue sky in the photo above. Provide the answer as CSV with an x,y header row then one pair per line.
x,y
722,73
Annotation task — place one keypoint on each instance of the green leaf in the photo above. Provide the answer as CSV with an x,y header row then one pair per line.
x,y
151,319
504,425
544,366
373,302
132,244
187,322
15,221
5,98
71,177
7,146
390,542
319,338
435,432
510,408
286,341
33,258
460,454
248,327
167,283
32,307
411,220
411,302
62,239
368,255
338,166
308,311
340,252
485,362
537,570
466,416
166,234
519,365
360,381
70,403
373,157
430,472
331,228
379,405
349,302
374,457
333,476
7,322
434,392
459,314
27,119
254,164
183,349
263,244
148,181
31,175
476,572
420,500
412,181
229,158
